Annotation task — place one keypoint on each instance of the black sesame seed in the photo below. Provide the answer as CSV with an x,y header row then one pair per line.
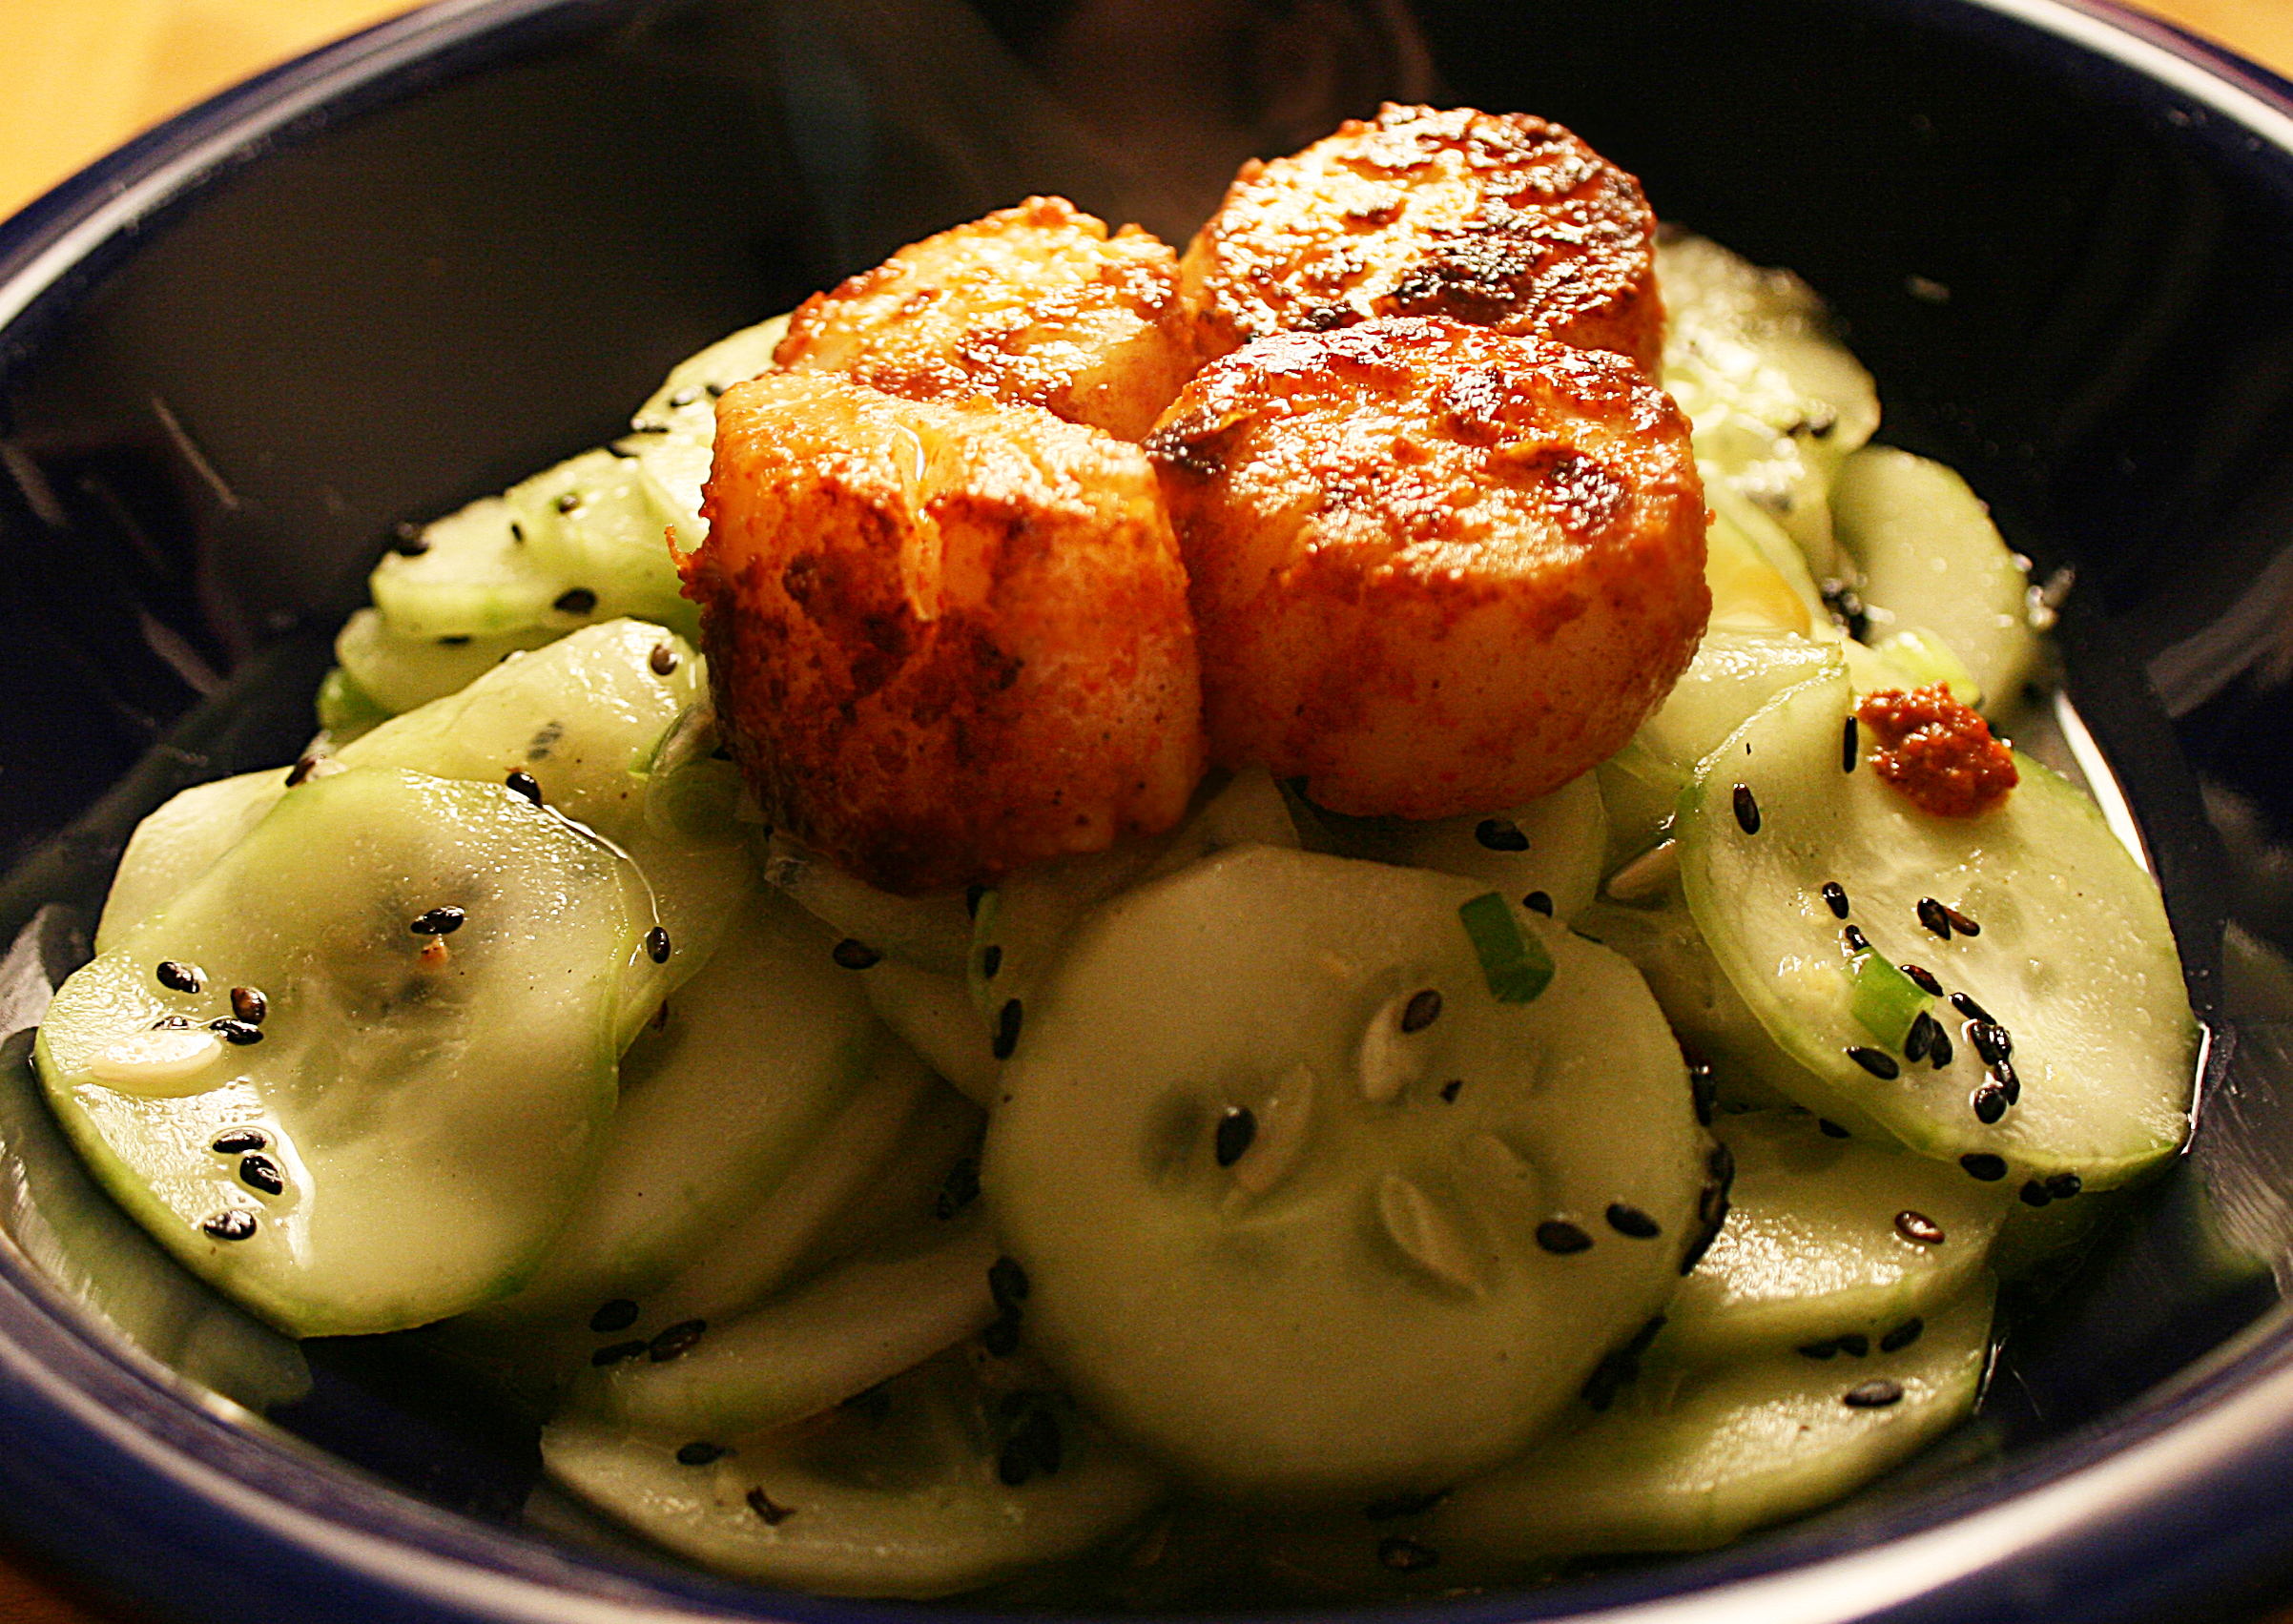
x,y
180,978
1015,1465
455,639
1819,1350
1902,1336
1938,1047
2064,1185
959,1189
575,600
1007,1021
1856,940
852,954
1879,1064
407,540
231,1142
1633,1221
238,1032
1855,1345
1236,1131
2004,1074
1832,1129
1934,916
1968,1008
700,1454
1920,1038
569,501
656,945
768,1513
617,1315
517,532
1850,746
1923,978
1539,902
2036,1194
1002,1338
173,1023
1007,1283
1990,1042
1394,1506
438,922
1747,810
1449,1090
1983,1165
1835,897
1561,1238
1500,834
1961,923
1876,1394
301,769
1704,1093
991,961
1989,1101
1423,1008
684,397
523,783
679,1338
231,1224
663,659
250,1005
1918,1227
1405,1555
715,390
260,1173
616,1353
971,893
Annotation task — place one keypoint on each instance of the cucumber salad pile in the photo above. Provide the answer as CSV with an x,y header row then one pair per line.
x,y
1291,1205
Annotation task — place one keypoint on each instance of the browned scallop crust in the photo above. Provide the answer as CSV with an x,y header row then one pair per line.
x,y
1501,221
1035,303
950,637
1435,570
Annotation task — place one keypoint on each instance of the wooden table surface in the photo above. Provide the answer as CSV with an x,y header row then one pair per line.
x,y
79,76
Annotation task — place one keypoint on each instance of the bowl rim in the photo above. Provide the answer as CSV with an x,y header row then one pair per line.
x,y
155,1489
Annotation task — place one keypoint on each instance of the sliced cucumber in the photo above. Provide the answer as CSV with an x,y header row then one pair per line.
x,y
2074,957
676,430
401,673
1329,1174
428,1104
1689,1458
934,1015
760,1050
179,842
589,522
1933,561
933,932
1552,848
1825,1237
942,1482
473,576
1776,401
860,1323
345,709
581,718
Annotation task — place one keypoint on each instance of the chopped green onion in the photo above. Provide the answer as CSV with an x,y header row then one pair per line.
x,y
1515,963
1883,1000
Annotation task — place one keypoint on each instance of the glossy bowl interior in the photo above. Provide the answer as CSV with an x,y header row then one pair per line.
x,y
421,264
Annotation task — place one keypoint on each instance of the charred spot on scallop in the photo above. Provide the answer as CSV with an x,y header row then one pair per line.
x,y
1434,568
1501,220
949,638
1038,305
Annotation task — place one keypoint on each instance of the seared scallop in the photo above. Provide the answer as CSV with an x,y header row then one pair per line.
x,y
1435,570
949,637
1035,304
1498,219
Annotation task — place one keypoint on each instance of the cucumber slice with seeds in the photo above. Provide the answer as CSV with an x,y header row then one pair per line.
x,y
1354,1219
675,434
400,673
2073,957
1826,1236
947,1479
1552,847
179,842
428,1103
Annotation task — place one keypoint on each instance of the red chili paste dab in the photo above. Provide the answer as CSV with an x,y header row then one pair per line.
x,y
1937,751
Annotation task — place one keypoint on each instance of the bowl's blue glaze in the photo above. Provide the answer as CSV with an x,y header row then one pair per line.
x,y
416,264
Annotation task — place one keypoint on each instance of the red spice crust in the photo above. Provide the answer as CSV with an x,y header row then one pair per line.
x,y
1938,752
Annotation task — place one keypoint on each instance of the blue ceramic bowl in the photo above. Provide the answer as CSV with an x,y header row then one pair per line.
x,y
414,266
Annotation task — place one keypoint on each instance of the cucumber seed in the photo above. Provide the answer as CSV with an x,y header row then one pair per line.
x,y
1236,1131
1747,810
1919,1227
852,954
178,977
438,922
1423,1008
656,945
1500,834
250,1005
